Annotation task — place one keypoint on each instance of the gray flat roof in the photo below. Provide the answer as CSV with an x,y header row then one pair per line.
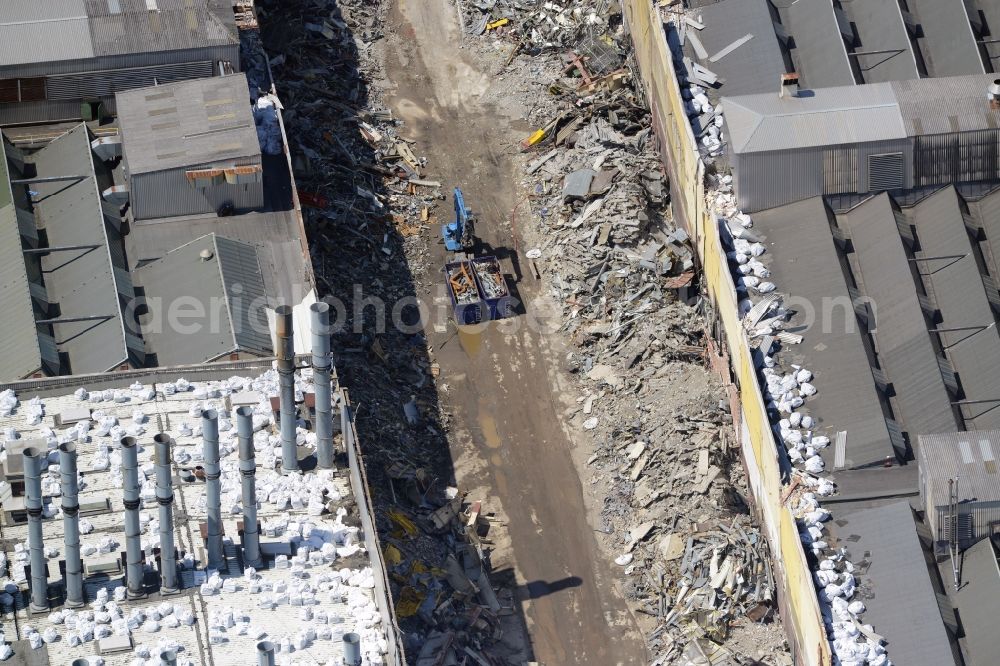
x,y
901,603
85,283
859,114
953,280
213,275
20,351
977,602
803,256
948,45
819,53
905,350
188,124
286,274
59,30
754,67
880,28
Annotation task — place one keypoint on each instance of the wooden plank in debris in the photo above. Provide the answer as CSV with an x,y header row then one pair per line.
x,y
693,23
732,47
705,74
699,48
702,486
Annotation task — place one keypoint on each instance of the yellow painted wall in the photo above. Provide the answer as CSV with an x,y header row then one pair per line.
x,y
801,615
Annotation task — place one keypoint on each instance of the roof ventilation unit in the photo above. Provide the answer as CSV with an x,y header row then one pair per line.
x,y
993,94
789,85
108,148
116,194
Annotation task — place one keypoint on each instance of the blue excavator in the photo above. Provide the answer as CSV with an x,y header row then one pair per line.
x,y
459,235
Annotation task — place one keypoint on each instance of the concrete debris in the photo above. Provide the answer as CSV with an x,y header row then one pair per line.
x,y
622,279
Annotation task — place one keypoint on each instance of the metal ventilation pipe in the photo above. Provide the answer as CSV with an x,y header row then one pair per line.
x,y
133,544
168,658
286,377
71,524
33,504
213,490
165,498
321,381
265,653
248,472
352,649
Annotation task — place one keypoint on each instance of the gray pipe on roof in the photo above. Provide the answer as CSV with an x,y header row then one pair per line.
x,y
352,649
248,472
321,381
286,377
71,524
213,487
165,498
33,504
265,653
133,544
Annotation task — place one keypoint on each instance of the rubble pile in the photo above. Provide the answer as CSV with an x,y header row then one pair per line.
x,y
622,278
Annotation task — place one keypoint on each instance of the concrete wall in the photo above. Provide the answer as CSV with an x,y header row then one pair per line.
x,y
797,596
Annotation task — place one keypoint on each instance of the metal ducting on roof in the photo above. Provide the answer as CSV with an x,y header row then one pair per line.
x,y
107,147
117,194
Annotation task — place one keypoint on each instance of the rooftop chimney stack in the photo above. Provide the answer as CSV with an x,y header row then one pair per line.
x,y
248,472
265,653
321,382
213,490
71,524
993,94
789,86
286,377
33,504
165,498
132,498
352,649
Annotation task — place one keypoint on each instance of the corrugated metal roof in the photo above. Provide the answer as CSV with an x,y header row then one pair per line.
x,y
952,275
187,124
859,114
58,30
900,603
826,117
885,52
904,346
83,282
20,353
174,25
819,55
805,259
973,457
948,46
204,308
945,106
286,274
977,602
757,65
50,31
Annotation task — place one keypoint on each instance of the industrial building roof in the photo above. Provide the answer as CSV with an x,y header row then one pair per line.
x,y
970,456
819,53
900,600
216,277
884,273
882,48
91,283
976,603
59,30
318,509
858,114
20,349
281,255
947,42
803,254
753,67
187,124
